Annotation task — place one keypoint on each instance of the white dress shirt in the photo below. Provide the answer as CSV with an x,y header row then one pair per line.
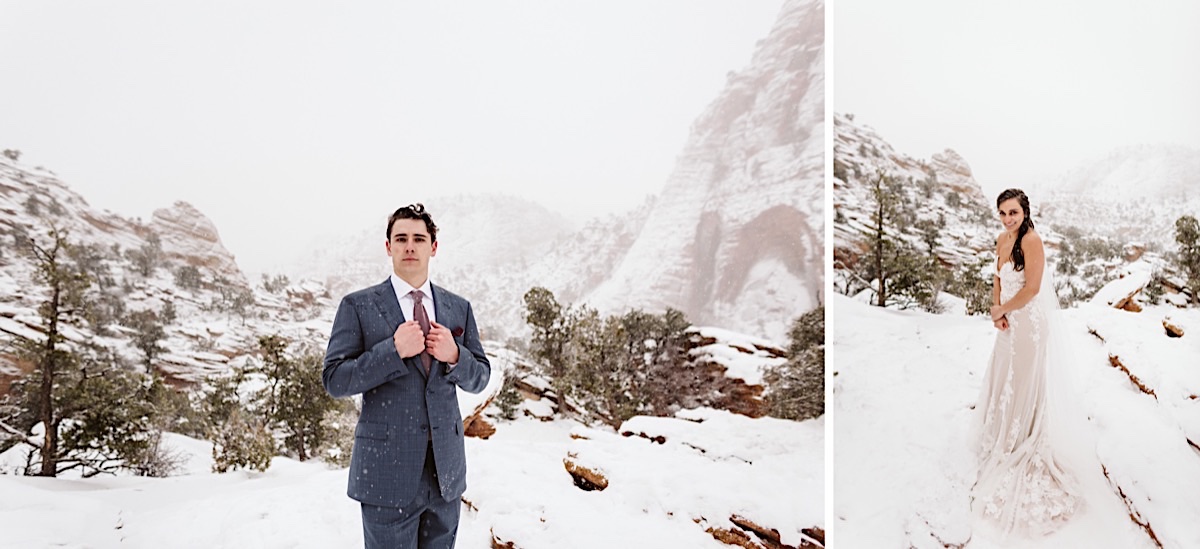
x,y
406,301
403,289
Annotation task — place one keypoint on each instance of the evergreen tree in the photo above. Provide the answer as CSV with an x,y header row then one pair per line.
x,y
883,257
242,442
614,367
797,387
660,342
148,332
551,333
1187,234
275,284
147,258
969,283
232,298
277,398
80,408
66,288
294,402
509,398
188,277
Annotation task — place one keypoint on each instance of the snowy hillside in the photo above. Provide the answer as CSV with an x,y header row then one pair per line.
x,y
487,245
904,386
1134,194
218,316
28,194
943,193
667,482
689,481
1099,234
734,239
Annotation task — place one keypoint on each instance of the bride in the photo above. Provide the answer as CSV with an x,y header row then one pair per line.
x,y
1020,485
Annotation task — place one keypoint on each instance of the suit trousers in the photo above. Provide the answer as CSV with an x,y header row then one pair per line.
x,y
427,522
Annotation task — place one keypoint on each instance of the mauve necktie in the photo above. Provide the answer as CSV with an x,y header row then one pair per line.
x,y
422,318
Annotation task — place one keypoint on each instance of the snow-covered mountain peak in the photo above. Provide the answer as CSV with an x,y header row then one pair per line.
x,y
734,239
1131,194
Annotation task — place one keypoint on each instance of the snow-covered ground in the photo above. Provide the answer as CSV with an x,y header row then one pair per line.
x,y
659,494
904,385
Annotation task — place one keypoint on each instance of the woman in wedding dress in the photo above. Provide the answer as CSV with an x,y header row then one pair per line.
x,y
1020,485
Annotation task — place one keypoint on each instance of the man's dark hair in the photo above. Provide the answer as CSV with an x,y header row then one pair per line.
x,y
413,211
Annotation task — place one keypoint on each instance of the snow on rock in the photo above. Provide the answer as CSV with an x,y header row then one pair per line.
x,y
471,405
208,322
190,236
541,408
517,490
744,357
1121,293
705,473
734,364
746,191
943,186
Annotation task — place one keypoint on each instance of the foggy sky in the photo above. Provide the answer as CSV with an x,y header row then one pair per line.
x,y
1025,90
282,120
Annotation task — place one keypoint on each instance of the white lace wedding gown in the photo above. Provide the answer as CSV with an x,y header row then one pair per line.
x,y
1020,486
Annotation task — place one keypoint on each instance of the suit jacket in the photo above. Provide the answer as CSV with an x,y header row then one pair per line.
x,y
402,409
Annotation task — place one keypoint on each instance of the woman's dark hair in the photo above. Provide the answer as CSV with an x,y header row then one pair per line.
x,y
413,211
1018,256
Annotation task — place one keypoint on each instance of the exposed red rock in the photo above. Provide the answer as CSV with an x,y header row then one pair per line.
x,y
1115,361
1172,329
498,543
477,426
763,538
1134,515
585,478
733,536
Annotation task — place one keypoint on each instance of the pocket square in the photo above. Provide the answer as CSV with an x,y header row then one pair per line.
x,y
457,331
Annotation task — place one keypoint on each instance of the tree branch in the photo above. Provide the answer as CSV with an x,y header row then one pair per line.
x,y
17,434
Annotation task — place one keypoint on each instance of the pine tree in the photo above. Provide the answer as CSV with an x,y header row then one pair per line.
x,y
147,258
288,404
148,332
882,259
66,287
1187,234
797,387
615,367
551,334
295,402
81,408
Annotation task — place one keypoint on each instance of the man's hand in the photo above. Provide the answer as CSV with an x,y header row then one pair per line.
x,y
441,344
408,339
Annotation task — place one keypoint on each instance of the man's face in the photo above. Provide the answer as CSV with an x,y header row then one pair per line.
x,y
410,248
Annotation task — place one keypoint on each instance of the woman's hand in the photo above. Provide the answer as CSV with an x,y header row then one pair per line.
x,y
1001,324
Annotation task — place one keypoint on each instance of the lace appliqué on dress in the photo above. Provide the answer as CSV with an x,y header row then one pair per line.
x,y
1019,486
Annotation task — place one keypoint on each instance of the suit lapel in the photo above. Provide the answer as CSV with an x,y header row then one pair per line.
x,y
447,314
389,306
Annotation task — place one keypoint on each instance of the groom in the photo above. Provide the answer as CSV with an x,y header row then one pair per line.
x,y
406,345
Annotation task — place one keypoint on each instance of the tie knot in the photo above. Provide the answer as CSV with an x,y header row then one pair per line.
x,y
416,295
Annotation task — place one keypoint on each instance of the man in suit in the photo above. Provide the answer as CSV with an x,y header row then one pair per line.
x,y
405,345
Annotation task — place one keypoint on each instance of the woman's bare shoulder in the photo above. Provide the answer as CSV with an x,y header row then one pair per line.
x,y
1032,243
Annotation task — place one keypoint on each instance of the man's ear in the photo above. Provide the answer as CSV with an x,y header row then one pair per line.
x,y
433,249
